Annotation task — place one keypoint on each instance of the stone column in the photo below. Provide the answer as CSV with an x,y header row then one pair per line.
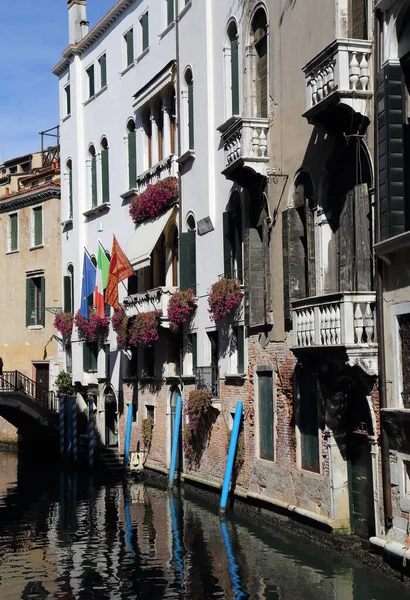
x,y
166,142
154,138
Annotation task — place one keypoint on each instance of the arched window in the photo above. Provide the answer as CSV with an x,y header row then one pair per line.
x,y
93,179
190,99
147,123
69,290
105,171
260,44
174,255
172,118
187,258
160,125
69,171
234,71
132,154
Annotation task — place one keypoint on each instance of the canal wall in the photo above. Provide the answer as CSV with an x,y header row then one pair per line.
x,y
8,433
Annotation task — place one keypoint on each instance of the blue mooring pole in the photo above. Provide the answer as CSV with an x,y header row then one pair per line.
x,y
175,442
69,444
62,425
231,457
127,441
90,432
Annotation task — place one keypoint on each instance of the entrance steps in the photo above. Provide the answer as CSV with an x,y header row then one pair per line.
x,y
111,461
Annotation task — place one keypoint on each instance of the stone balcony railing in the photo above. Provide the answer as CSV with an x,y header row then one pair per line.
x,y
164,168
155,299
246,143
340,72
337,320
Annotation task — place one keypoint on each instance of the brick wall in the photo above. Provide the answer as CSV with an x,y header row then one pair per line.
x,y
8,433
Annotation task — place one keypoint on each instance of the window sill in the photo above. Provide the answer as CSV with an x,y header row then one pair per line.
x,y
188,377
92,371
12,252
64,119
233,376
129,193
189,155
185,9
36,247
35,327
128,68
167,30
89,100
143,53
97,209
67,223
101,91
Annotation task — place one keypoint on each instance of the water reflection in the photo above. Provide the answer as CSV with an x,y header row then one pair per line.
x,y
69,537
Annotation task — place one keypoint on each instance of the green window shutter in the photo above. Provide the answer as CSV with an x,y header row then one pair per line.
x,y
266,415
68,99
309,437
227,241
107,360
70,193
240,348
188,260
67,294
105,175
194,350
145,33
132,159
29,301
103,70
256,279
191,115
170,11
235,76
13,232
86,357
90,356
38,226
94,181
42,302
91,81
237,224
129,38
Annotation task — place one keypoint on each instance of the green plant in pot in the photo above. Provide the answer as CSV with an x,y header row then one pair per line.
x,y
64,382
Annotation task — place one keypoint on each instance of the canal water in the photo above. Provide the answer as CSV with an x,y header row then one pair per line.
x,y
72,538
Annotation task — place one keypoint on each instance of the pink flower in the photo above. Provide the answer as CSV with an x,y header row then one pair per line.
x,y
225,296
181,305
152,201
93,329
143,329
63,322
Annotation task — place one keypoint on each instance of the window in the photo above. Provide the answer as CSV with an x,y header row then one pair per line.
x,y
13,233
266,415
105,171
403,321
307,392
187,263
93,176
232,239
234,71
102,61
69,289
144,31
160,127
67,90
239,343
150,412
148,362
172,118
170,11
37,226
90,81
148,133
190,89
358,17
132,155
129,47
132,287
70,188
260,42
107,360
193,347
174,256
35,301
90,356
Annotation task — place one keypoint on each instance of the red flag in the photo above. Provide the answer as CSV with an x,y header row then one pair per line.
x,y
119,270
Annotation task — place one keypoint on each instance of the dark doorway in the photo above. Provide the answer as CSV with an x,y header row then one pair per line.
x,y
111,421
42,381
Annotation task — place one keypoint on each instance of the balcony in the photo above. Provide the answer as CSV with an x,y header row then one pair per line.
x,y
155,299
339,74
340,321
207,378
246,144
164,168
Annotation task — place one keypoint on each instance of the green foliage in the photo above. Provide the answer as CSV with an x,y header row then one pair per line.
x,y
147,427
64,382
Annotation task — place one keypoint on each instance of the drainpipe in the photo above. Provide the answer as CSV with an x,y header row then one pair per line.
x,y
384,441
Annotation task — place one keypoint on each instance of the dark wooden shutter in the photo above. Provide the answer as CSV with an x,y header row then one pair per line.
x,y
391,118
145,33
293,251
90,356
42,302
105,175
266,415
103,70
130,47
235,76
38,226
191,137
29,302
346,244
187,275
94,181
107,360
363,238
68,99
240,348
262,77
67,294
227,244
358,19
14,232
308,424
170,11
91,81
132,159
70,193
237,226
256,279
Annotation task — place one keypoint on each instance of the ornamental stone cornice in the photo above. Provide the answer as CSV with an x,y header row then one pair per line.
x,y
22,200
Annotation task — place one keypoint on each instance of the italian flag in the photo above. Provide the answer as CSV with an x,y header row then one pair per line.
x,y
101,281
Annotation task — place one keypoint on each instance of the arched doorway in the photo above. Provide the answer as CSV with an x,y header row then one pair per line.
x,y
175,392
111,419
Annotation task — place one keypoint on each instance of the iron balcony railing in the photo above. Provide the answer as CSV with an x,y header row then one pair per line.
x,y
207,378
14,381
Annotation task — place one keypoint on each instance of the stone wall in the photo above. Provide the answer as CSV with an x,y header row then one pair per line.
x,y
8,433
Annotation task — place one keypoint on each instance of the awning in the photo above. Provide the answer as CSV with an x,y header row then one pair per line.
x,y
144,239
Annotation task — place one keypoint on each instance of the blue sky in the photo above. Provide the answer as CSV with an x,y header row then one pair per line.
x,y
33,36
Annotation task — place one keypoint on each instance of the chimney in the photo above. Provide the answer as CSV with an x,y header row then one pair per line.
x,y
77,20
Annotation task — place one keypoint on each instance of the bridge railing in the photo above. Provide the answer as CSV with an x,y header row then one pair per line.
x,y
14,381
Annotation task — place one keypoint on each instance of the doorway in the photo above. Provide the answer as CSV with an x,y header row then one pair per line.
x,y
42,381
111,421
175,392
